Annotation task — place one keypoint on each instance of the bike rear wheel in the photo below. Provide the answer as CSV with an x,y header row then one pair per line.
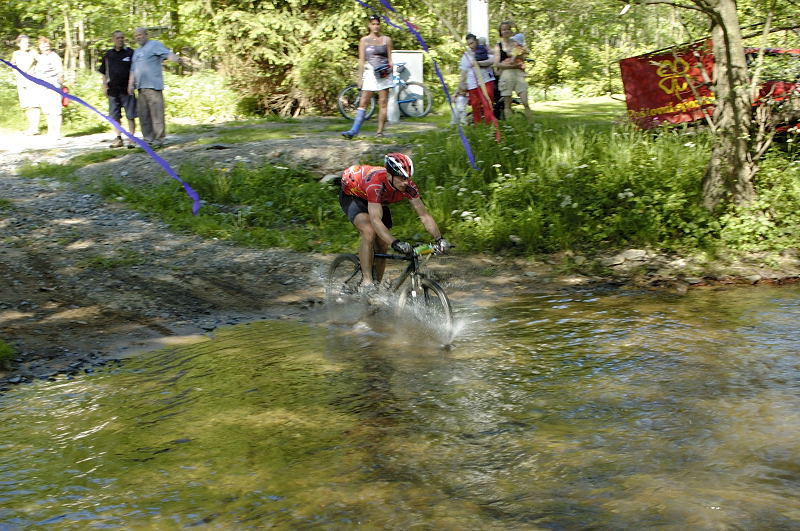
x,y
344,278
348,101
414,100
428,303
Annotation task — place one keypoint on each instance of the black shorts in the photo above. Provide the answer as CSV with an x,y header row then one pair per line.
x,y
353,206
119,102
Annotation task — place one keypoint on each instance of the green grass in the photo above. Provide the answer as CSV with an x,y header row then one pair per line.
x,y
575,179
120,258
66,172
271,206
6,355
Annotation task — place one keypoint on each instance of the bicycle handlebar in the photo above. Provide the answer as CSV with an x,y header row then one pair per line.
x,y
419,250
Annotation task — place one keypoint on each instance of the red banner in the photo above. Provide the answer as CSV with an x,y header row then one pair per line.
x,y
669,87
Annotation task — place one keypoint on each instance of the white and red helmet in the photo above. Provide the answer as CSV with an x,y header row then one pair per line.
x,y
399,165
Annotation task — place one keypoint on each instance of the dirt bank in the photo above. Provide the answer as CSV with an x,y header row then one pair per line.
x,y
83,281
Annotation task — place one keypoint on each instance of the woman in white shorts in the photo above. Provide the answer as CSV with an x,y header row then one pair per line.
x,y
49,68
374,74
512,74
24,58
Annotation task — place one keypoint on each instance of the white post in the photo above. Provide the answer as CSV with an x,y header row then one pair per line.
x,y
478,18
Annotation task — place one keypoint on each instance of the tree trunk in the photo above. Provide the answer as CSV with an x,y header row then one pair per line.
x,y
69,56
82,44
729,174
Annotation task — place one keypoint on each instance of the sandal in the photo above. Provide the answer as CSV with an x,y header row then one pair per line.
x,y
379,135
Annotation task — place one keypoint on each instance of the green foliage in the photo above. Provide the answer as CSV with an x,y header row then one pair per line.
x,y
12,117
553,188
203,97
272,206
769,223
6,355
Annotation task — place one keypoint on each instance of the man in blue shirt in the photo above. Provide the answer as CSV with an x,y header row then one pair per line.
x,y
148,78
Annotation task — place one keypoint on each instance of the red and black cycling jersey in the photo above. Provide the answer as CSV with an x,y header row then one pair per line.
x,y
371,183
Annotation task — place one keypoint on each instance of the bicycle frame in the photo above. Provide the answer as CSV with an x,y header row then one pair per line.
x,y
412,270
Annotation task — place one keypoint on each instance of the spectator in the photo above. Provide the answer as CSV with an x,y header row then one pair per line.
x,y
374,74
24,59
116,70
49,68
471,66
512,73
147,77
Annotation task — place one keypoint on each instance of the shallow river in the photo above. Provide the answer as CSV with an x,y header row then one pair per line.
x,y
568,410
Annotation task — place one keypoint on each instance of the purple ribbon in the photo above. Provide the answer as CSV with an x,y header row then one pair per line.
x,y
163,163
415,33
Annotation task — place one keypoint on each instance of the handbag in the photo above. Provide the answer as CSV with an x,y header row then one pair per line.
x,y
382,71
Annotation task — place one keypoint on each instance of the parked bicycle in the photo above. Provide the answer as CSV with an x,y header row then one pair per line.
x,y
418,295
413,98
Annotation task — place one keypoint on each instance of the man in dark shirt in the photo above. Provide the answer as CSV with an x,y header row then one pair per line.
x,y
116,68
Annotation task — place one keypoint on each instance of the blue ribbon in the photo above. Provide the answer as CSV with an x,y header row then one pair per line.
x,y
415,33
189,191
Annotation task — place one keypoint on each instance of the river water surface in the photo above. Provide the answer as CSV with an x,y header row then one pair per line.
x,y
568,410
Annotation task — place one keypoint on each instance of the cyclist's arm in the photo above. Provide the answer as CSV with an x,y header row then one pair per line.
x,y
425,217
375,211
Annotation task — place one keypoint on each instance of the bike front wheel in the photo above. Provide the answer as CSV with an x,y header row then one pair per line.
x,y
428,303
414,100
344,278
348,101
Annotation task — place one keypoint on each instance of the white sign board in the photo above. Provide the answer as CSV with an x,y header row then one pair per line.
x,y
412,60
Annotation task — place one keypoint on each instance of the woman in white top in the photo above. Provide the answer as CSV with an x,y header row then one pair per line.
x,y
24,59
480,101
49,68
374,74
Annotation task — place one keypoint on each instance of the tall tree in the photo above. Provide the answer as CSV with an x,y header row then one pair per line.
x,y
733,165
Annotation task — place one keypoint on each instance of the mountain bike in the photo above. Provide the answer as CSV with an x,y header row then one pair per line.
x,y
418,295
414,99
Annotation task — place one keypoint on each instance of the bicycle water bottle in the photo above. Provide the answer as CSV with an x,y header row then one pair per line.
x,y
425,248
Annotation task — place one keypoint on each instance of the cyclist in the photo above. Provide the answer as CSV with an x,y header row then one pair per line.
x,y
365,194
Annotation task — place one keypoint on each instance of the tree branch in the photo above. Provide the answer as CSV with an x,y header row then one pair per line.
x,y
670,3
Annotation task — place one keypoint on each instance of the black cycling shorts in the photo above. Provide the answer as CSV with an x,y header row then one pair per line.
x,y
353,206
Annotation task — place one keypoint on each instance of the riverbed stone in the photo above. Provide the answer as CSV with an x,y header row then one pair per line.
x,y
634,254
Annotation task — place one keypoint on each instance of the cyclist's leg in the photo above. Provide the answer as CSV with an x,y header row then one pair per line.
x,y
366,248
381,246
383,98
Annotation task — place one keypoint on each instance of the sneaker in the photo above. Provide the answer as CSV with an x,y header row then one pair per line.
x,y
117,143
